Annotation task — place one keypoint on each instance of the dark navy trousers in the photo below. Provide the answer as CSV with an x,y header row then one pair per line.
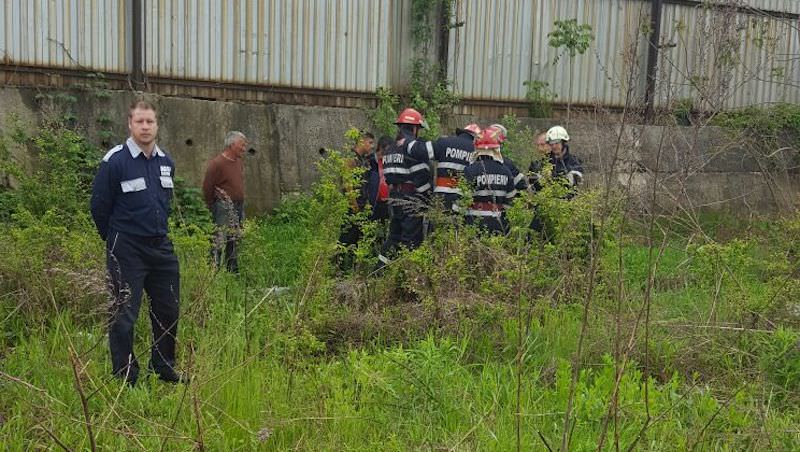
x,y
138,264
406,224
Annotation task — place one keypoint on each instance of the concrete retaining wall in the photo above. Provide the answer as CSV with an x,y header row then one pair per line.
x,y
695,168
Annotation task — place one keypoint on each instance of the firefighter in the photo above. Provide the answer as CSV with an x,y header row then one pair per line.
x,y
492,183
406,167
452,155
565,166
378,188
541,155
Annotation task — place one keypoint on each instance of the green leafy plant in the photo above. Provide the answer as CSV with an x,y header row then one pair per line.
x,y
683,111
540,98
428,90
189,207
385,114
781,361
574,38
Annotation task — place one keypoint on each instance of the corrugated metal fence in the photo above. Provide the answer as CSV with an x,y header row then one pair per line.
x,y
491,59
359,45
504,43
89,35
730,58
323,44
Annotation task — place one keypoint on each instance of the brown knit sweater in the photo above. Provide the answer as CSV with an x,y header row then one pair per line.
x,y
226,175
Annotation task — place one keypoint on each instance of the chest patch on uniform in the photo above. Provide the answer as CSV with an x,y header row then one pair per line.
x,y
133,185
492,179
166,181
165,170
393,158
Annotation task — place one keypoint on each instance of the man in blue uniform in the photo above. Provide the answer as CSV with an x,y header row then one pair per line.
x,y
452,155
492,184
406,167
130,205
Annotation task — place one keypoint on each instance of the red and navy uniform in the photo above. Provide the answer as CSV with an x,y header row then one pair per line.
x,y
406,167
493,189
452,155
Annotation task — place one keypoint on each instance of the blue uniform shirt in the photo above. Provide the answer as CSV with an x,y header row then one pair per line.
x,y
131,193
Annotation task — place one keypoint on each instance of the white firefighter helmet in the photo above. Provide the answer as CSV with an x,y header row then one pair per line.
x,y
556,134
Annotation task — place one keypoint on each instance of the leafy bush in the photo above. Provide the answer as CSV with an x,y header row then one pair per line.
x,y
778,124
540,98
385,114
60,183
190,210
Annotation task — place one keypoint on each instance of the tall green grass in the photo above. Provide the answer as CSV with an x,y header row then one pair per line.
x,y
253,390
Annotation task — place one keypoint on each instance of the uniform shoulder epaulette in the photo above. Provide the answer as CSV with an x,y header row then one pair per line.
x,y
111,152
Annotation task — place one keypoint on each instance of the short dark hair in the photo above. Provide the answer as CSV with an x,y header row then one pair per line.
x,y
410,128
365,134
142,105
385,141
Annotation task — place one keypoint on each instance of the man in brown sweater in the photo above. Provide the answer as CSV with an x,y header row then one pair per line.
x,y
223,190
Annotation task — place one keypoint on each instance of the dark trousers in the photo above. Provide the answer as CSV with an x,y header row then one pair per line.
x,y
228,217
349,237
447,200
492,225
136,264
380,211
405,225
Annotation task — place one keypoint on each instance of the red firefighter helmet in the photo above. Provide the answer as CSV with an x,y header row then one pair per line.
x,y
473,128
411,116
489,138
503,132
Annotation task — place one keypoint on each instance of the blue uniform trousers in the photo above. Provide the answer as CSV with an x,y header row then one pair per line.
x,y
137,264
406,224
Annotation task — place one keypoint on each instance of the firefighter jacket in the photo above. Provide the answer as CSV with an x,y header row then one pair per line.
x,y
493,187
406,165
452,155
567,167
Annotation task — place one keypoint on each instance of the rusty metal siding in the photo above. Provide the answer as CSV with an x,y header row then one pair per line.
x,y
88,35
355,46
491,59
504,43
764,66
320,44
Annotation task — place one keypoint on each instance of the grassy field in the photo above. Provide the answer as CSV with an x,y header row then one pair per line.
x,y
265,379
679,333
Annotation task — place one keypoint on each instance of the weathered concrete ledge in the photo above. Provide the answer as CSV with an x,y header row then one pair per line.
x,y
692,168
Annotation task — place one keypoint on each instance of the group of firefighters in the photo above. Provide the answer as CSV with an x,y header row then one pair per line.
x,y
399,176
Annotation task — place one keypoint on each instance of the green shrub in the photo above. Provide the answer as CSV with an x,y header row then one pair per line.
x,y
189,208
385,114
540,98
777,124
780,361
